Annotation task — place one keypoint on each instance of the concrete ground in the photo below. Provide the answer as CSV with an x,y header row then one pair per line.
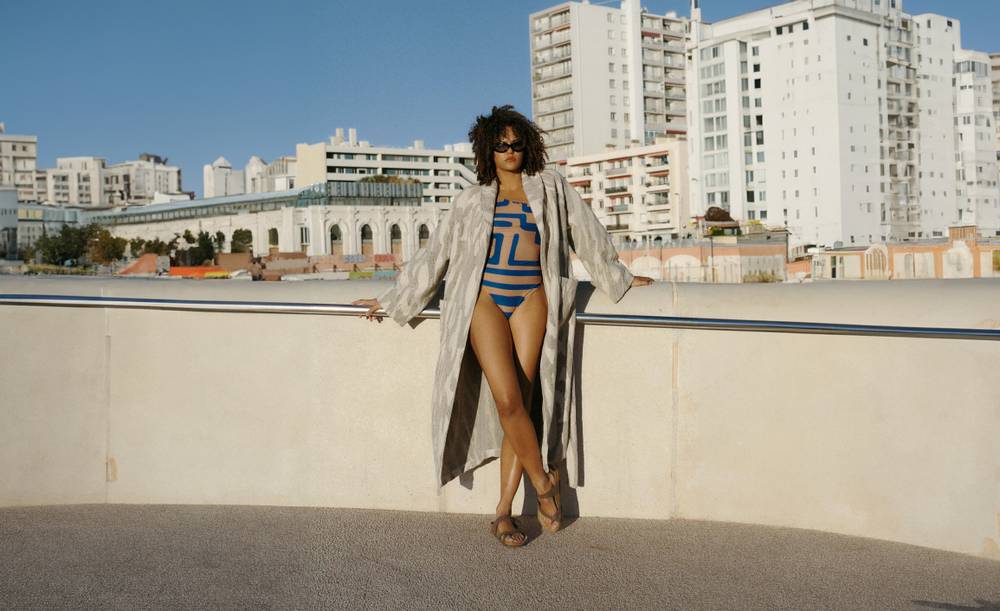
x,y
180,556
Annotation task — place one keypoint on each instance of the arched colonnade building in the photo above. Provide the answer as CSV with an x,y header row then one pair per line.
x,y
323,219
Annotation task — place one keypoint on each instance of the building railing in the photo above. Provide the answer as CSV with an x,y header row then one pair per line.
x,y
622,320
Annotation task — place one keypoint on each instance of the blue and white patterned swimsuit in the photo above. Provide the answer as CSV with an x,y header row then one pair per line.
x,y
513,268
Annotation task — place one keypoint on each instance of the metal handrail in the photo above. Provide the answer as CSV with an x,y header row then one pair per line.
x,y
624,320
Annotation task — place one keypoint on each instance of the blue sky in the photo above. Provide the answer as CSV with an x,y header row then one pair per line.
x,y
195,80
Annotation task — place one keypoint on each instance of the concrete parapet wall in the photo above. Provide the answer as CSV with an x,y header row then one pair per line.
x,y
892,438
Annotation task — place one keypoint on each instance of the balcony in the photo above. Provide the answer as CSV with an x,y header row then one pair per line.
x,y
557,53
674,79
659,161
235,393
613,190
619,209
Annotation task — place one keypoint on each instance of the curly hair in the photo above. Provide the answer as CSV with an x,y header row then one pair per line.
x,y
486,130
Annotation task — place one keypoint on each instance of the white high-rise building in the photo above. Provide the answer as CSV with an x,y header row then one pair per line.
x,y
18,162
995,81
834,118
604,76
976,146
443,172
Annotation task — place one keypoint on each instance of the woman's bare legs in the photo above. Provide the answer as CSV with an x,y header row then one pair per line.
x,y
494,340
527,348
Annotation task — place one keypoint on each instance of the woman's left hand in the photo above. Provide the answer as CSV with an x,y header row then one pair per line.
x,y
641,280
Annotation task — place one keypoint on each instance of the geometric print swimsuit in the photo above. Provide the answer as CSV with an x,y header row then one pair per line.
x,y
513,268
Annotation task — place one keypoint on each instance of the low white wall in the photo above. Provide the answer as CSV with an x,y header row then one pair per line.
x,y
890,438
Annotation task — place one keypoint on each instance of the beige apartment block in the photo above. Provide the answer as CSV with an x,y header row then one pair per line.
x,y
18,162
639,193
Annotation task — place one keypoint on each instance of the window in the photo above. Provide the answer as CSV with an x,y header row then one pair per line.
x,y
760,137
611,99
613,115
756,67
611,51
805,25
611,83
611,66
756,83
779,30
755,51
864,41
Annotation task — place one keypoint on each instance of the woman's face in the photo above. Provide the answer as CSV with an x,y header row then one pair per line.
x,y
509,160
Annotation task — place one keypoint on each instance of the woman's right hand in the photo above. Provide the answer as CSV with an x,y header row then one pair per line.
x,y
373,306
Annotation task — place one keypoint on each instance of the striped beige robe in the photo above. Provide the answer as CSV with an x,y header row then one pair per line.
x,y
465,427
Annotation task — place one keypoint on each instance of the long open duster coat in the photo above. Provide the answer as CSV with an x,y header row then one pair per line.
x,y
466,428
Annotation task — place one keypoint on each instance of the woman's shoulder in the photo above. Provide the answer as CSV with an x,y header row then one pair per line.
x,y
468,192
551,174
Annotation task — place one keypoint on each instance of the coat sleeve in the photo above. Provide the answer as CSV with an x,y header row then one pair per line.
x,y
421,274
590,241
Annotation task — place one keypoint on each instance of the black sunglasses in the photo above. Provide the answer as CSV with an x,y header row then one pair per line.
x,y
517,146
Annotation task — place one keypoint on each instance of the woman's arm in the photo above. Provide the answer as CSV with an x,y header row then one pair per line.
x,y
421,274
590,241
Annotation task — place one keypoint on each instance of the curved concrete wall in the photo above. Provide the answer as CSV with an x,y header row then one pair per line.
x,y
892,438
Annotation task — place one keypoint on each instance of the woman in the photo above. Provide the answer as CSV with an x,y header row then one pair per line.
x,y
503,253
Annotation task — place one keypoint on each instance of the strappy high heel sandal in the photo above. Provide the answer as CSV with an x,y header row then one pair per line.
x,y
553,493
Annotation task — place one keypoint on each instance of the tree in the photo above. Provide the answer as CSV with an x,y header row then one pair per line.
x,y
71,243
189,237
242,241
137,246
203,252
156,246
105,248
220,241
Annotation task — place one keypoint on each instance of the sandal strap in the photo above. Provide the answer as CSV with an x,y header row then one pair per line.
x,y
511,536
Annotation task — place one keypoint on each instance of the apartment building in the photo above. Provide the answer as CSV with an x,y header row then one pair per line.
x,y
138,181
977,189
640,193
18,164
258,176
442,172
220,179
836,119
995,82
604,76
75,181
